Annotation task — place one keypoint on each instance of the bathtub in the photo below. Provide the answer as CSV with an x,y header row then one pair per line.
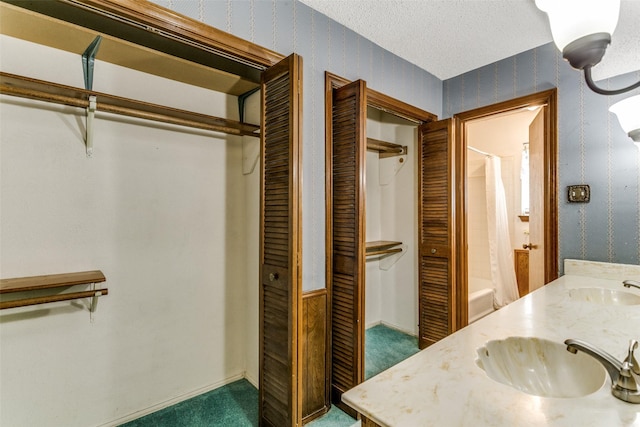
x,y
480,298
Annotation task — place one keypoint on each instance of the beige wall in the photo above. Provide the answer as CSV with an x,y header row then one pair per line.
x,y
165,212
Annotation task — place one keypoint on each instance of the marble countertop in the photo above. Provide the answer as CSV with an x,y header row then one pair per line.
x,y
443,386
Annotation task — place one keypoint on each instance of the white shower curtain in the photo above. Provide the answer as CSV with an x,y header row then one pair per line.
x,y
503,274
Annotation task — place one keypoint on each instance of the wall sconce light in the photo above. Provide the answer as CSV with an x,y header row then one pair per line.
x,y
582,31
628,112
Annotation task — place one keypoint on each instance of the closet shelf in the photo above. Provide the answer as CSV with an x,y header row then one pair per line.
x,y
51,281
386,149
382,247
25,87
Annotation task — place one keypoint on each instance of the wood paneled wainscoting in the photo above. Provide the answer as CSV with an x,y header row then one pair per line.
x,y
521,263
315,382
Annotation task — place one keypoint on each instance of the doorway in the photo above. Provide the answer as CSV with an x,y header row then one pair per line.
x,y
526,132
348,238
498,210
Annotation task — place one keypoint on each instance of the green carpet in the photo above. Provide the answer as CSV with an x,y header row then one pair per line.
x,y
334,418
385,347
236,404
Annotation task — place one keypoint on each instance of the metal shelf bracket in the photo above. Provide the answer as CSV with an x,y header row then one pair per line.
x,y
88,59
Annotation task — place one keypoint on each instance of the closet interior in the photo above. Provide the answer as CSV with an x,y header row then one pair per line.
x,y
372,223
154,195
165,154
391,261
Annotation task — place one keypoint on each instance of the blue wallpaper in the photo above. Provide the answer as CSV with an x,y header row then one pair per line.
x,y
290,26
593,149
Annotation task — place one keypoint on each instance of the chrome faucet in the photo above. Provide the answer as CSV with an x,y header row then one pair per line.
x,y
630,283
625,376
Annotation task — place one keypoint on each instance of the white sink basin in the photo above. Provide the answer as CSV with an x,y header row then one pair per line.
x,y
604,296
540,367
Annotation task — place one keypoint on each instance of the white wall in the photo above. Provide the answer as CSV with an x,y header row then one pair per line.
x,y
502,136
160,210
392,215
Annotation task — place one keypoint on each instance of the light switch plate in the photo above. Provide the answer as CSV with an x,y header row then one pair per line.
x,y
579,193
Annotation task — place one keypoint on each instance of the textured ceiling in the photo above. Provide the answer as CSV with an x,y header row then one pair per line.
x,y
450,37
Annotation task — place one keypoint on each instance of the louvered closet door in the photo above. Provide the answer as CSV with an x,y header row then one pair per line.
x,y
280,238
348,238
437,295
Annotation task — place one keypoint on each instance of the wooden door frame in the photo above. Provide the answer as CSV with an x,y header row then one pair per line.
x,y
548,100
379,101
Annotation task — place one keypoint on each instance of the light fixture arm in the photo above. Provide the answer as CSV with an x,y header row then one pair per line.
x,y
593,87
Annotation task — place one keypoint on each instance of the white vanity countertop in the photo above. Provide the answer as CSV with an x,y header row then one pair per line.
x,y
443,386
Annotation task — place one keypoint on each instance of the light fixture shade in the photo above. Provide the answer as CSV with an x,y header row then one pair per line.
x,y
628,112
571,20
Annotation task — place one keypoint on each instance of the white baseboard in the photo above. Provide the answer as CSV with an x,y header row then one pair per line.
x,y
173,401
253,381
372,324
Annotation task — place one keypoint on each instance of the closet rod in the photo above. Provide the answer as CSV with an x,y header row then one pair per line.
x,y
53,298
25,87
386,149
479,151
384,252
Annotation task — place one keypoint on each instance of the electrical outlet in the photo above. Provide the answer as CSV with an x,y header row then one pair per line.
x,y
579,193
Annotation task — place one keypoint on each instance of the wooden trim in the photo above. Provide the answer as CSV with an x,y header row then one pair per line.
x,y
315,337
367,422
53,298
384,102
534,100
549,101
24,87
51,281
328,237
41,29
32,283
459,241
148,25
521,265
333,81
172,25
398,108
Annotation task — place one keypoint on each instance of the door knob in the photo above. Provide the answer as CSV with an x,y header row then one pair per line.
x,y
273,276
529,246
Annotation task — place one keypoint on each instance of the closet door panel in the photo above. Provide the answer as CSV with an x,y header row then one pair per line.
x,y
348,238
437,296
280,245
